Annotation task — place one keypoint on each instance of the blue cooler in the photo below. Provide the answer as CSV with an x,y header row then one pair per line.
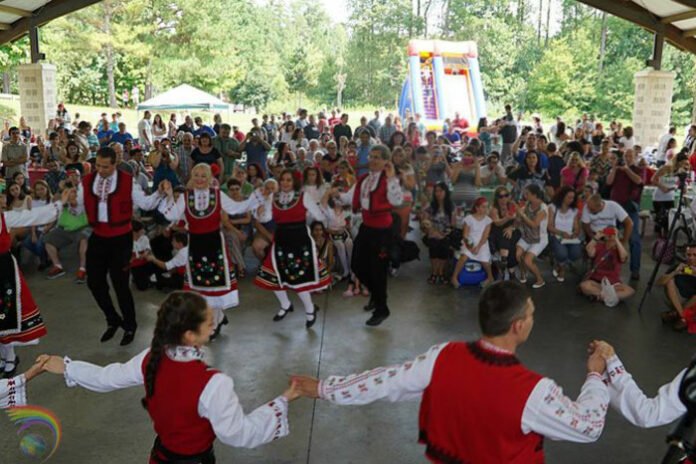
x,y
472,273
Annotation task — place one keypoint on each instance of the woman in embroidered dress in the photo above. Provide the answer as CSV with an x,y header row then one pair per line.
x,y
189,403
292,262
209,270
20,319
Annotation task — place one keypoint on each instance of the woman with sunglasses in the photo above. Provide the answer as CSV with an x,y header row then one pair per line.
x,y
504,233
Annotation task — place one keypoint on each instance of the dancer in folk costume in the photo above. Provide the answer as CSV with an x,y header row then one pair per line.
x,y
190,404
375,195
209,269
20,320
292,262
478,403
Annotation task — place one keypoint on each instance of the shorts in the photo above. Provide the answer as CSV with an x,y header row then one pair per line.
x,y
534,248
60,238
686,285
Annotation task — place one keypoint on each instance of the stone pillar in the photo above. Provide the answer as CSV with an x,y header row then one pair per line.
x,y
37,94
652,108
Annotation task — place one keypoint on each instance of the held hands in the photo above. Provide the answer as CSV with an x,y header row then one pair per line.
x,y
599,351
304,385
37,368
53,364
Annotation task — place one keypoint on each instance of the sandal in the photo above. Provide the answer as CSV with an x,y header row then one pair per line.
x,y
432,279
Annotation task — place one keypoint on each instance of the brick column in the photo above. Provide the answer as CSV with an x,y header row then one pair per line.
x,y
652,108
37,94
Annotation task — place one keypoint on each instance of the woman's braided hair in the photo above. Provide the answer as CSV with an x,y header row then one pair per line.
x,y
180,311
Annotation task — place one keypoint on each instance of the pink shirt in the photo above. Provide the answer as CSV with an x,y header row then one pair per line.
x,y
568,177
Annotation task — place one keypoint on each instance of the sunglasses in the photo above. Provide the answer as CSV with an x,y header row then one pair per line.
x,y
503,195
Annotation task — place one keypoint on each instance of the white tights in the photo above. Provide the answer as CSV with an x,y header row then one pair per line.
x,y
344,250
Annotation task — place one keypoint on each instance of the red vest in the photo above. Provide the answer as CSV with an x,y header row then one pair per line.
x,y
174,406
472,410
206,221
292,213
379,215
119,205
5,237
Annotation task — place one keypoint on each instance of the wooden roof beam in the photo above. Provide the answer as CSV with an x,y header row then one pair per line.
x,y
678,17
15,11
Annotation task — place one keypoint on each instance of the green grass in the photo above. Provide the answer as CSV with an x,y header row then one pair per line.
x,y
131,117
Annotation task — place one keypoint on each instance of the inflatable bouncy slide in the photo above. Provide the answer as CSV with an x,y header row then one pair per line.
x,y
443,78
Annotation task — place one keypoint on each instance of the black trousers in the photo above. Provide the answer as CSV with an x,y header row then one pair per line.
x,y
370,262
111,257
142,274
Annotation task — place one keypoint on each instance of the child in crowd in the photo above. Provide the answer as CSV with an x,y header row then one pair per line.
x,y
477,228
337,221
175,268
141,269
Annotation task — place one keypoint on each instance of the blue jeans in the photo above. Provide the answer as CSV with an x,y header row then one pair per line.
x,y
564,253
634,242
38,248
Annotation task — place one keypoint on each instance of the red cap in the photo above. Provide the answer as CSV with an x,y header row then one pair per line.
x,y
609,231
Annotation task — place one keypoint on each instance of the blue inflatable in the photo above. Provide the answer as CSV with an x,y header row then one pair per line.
x,y
472,274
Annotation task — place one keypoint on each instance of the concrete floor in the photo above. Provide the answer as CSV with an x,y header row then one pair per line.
x,y
259,354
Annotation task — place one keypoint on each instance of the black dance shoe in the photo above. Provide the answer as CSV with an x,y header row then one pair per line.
x,y
309,323
109,333
128,337
377,319
282,313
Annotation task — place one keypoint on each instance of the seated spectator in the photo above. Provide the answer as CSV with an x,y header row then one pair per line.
x,y
504,233
598,214
437,225
667,183
72,227
453,134
680,288
556,165
237,228
141,269
72,158
17,197
607,254
325,249
105,133
532,220
34,242
493,173
466,180
564,230
575,174
139,177
475,233
121,136
55,175
175,267
165,164
528,173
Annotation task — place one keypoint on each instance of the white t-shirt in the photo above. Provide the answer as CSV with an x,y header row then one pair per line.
x,y
608,217
145,131
141,245
563,221
179,260
489,176
476,228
